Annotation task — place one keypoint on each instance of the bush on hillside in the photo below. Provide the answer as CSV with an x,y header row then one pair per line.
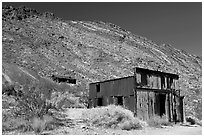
x,y
112,117
33,109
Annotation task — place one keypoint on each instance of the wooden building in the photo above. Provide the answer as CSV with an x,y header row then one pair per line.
x,y
147,93
63,79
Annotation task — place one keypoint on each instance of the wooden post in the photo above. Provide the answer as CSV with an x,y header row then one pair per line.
x,y
135,91
148,105
124,105
166,107
169,107
175,109
183,119
172,105
114,100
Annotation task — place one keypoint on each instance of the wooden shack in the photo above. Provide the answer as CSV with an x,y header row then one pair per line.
x,y
147,93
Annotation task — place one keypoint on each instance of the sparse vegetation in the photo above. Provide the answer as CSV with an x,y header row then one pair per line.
x,y
39,124
35,43
31,110
112,117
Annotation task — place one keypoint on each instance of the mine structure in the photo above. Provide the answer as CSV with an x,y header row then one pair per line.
x,y
147,93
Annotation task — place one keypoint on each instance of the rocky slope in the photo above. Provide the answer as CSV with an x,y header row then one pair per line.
x,y
90,51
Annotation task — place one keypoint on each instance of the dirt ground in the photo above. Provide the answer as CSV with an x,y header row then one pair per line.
x,y
80,128
175,130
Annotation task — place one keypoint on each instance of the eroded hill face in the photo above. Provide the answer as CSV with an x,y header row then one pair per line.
x,y
92,51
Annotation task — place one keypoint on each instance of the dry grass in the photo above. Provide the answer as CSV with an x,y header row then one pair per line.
x,y
31,110
112,117
158,121
39,125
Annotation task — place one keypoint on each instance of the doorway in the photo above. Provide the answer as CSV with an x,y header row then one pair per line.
x,y
120,100
100,102
162,98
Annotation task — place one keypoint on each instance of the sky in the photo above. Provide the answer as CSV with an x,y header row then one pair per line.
x,y
176,23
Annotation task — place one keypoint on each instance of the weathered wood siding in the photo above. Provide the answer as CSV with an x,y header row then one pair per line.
x,y
151,102
142,105
147,93
129,102
92,91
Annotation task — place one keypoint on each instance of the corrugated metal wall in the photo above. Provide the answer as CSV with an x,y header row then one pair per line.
x,y
118,87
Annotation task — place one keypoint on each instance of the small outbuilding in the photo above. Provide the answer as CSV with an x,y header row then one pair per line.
x,y
147,93
63,79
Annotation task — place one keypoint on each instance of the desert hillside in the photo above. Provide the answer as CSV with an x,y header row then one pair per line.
x,y
36,46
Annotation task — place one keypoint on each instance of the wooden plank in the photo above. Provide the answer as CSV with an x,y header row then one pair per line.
x,y
159,82
111,100
92,91
167,107
135,92
148,105
178,108
154,90
139,105
162,82
125,102
131,103
115,100
148,80
155,82
138,77
151,104
172,106
142,105
145,96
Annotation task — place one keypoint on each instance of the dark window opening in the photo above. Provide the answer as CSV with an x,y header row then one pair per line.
x,y
100,102
162,99
144,79
120,100
162,82
97,87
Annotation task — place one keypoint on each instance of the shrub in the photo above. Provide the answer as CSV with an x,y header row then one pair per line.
x,y
157,121
112,117
62,101
40,125
30,111
193,120
129,124
32,103
12,123
36,101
